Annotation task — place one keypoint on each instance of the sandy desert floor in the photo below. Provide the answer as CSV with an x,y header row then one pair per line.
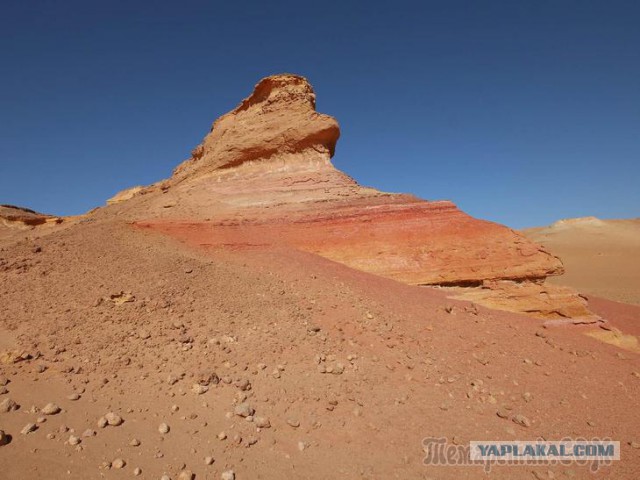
x,y
273,363
601,257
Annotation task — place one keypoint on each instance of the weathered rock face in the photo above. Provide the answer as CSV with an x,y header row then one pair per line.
x,y
535,298
125,195
279,117
12,216
263,176
18,223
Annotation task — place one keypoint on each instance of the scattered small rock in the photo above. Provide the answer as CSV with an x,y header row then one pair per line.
x,y
243,410
137,471
73,440
251,441
199,389
244,385
4,438
228,475
73,397
208,460
262,422
3,380
28,428
8,405
521,420
144,334
208,378
135,442
293,422
51,409
113,419
163,428
122,298
186,475
118,463
502,413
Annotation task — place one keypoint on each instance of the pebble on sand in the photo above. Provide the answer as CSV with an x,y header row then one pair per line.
x,y
262,422
113,419
8,405
521,420
28,428
51,409
243,410
186,475
293,422
163,428
199,389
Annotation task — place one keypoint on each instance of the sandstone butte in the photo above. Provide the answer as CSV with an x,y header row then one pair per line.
x,y
263,178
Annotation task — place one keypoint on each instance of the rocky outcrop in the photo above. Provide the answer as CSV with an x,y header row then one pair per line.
x,y
263,177
539,299
127,194
279,117
18,217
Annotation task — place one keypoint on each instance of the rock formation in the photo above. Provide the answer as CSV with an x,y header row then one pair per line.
x,y
17,222
263,176
18,217
278,118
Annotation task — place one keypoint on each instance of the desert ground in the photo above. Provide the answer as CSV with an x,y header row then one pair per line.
x,y
601,257
261,316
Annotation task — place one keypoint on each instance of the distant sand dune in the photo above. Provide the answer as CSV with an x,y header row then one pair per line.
x,y
601,257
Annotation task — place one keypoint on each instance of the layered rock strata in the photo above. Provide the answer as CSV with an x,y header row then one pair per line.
x,y
263,176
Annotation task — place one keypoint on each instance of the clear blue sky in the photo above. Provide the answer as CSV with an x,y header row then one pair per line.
x,y
521,112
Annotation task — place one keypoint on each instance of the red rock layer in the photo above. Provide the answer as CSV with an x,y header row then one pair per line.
x,y
400,237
